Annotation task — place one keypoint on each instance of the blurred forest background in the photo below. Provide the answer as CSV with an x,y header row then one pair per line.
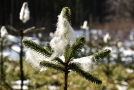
x,y
110,14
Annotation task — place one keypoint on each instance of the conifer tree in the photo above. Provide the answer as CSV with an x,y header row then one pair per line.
x,y
63,51
24,16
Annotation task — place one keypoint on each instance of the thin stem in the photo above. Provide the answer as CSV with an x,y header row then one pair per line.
x,y
21,56
1,59
1,63
66,76
90,42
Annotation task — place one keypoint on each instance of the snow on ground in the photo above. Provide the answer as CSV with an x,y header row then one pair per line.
x,y
53,87
124,86
13,53
17,84
87,33
16,48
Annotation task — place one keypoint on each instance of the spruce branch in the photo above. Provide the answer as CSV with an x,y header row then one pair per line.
x,y
28,30
58,60
48,48
77,68
101,54
68,53
12,28
77,46
67,14
32,29
72,52
32,45
52,65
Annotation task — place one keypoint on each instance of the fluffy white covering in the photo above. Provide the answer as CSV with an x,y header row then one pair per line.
x,y
85,25
64,35
85,62
35,58
106,38
3,31
24,13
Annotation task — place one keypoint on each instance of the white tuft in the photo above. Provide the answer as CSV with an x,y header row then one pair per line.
x,y
3,31
110,48
85,25
106,38
64,36
24,13
119,44
85,62
35,58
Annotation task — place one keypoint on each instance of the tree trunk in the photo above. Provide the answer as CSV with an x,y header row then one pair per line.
x,y
21,56
66,77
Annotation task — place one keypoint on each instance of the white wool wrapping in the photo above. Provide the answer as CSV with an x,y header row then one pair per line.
x,y
35,58
64,36
106,38
85,62
3,31
24,13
